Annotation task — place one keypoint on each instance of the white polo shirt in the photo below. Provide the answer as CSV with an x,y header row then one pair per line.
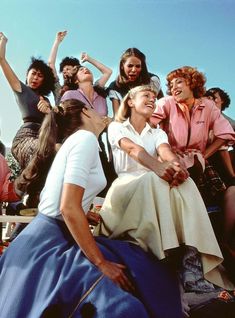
x,y
150,139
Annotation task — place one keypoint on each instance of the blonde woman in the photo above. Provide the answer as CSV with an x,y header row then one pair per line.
x,y
153,202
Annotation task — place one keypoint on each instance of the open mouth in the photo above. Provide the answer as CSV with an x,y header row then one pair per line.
x,y
132,77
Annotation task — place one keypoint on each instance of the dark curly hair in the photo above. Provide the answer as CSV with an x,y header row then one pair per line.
x,y
195,79
73,61
223,95
48,83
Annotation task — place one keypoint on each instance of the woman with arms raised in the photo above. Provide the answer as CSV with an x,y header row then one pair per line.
x,y
94,94
32,101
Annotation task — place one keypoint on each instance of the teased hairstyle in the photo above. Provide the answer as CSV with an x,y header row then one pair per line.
x,y
223,95
195,79
124,111
48,83
73,61
59,124
144,77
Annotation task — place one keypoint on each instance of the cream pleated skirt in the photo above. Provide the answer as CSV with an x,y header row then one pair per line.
x,y
146,211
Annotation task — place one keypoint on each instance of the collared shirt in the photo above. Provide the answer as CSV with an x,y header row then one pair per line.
x,y
150,139
98,103
186,130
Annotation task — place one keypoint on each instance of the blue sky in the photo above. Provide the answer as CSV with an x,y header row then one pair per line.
x,y
171,33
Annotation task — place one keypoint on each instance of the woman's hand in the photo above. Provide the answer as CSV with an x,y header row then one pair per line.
x,y
3,41
116,273
84,57
172,172
44,106
93,218
60,36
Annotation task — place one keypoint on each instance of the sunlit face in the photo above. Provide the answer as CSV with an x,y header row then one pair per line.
x,y
132,68
143,103
180,90
84,75
67,71
34,78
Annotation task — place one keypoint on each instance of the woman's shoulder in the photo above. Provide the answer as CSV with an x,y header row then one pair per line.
x,y
166,100
83,135
112,85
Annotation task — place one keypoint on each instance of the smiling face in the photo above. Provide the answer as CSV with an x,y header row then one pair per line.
x,y
180,90
34,78
143,103
132,68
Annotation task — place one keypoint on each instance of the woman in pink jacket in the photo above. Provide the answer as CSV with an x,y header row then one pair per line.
x,y
187,117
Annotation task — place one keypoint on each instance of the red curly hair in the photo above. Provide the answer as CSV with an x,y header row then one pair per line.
x,y
194,79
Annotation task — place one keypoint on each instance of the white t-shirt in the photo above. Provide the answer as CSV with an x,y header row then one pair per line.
x,y
77,162
150,139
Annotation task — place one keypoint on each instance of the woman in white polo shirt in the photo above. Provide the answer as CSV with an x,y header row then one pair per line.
x,y
153,202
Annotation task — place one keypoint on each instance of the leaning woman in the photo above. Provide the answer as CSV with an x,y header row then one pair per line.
x,y
55,267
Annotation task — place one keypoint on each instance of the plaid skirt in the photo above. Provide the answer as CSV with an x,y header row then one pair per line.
x,y
25,143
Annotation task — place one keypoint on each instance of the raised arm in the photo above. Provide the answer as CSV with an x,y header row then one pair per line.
x,y
53,54
106,71
76,221
11,77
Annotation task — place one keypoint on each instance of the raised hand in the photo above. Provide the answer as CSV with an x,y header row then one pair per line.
x,y
84,57
3,41
60,36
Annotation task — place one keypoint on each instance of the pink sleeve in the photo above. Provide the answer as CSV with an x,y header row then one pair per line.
x,y
161,111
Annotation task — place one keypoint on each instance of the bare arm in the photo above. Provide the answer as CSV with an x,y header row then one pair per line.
x,y
115,104
167,170
53,54
10,75
212,148
75,219
106,71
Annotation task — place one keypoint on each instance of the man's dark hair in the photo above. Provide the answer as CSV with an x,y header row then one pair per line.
x,y
73,61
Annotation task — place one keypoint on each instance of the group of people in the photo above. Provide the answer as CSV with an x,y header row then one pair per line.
x,y
151,241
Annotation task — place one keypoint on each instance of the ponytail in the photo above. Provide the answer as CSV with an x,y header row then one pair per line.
x,y
57,125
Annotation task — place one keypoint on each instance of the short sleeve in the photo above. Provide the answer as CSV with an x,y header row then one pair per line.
x,y
116,132
160,137
80,160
